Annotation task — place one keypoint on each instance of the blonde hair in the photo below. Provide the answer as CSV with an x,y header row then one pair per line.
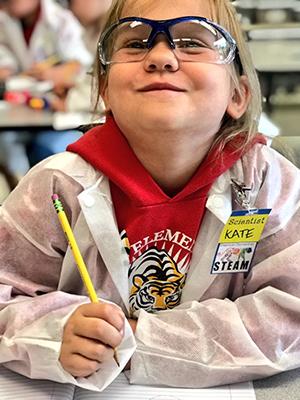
x,y
222,12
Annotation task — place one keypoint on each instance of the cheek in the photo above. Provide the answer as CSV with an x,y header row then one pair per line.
x,y
111,90
209,77
211,93
216,88
119,84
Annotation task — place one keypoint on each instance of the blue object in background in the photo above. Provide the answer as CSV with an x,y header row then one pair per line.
x,y
47,143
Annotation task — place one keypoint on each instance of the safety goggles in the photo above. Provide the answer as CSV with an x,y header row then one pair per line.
x,y
193,39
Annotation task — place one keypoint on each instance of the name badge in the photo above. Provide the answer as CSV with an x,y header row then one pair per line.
x,y
238,241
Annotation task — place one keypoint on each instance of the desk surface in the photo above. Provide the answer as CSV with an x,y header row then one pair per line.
x,y
284,386
21,117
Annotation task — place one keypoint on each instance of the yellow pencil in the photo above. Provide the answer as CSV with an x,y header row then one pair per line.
x,y
77,255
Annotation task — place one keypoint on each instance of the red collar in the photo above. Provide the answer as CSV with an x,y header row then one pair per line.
x,y
106,149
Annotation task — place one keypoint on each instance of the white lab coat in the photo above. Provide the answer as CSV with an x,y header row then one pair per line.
x,y
57,32
229,327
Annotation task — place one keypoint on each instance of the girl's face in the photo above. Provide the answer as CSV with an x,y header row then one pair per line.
x,y
89,11
203,91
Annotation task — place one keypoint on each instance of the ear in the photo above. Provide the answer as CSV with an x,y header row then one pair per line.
x,y
240,99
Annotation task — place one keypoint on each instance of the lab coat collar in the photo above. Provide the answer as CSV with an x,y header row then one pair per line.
x,y
219,208
97,207
219,200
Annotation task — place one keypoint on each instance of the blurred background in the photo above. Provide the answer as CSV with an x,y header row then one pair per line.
x,y
45,86
273,30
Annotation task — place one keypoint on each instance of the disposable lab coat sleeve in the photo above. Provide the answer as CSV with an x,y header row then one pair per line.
x,y
67,32
32,246
7,59
249,335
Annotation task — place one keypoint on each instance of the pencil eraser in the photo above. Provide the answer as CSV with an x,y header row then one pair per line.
x,y
55,197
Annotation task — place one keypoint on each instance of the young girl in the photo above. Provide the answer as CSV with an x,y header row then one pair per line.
x,y
147,195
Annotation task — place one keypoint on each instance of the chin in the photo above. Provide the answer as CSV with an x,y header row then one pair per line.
x,y
164,117
153,117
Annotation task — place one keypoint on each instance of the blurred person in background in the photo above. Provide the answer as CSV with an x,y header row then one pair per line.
x,y
90,14
41,39
35,31
76,96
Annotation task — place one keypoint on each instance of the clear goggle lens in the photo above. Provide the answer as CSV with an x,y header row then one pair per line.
x,y
192,40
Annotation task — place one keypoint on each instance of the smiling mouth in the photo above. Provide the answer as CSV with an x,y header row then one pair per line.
x,y
160,87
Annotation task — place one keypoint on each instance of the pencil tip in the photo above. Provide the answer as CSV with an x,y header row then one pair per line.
x,y
116,358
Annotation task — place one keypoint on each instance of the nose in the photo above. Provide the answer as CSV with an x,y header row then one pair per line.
x,y
160,303
161,58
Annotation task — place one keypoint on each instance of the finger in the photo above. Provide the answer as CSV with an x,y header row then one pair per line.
x,y
79,366
100,330
93,350
88,348
108,312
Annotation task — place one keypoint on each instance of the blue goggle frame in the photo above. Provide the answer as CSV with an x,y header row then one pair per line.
x,y
163,27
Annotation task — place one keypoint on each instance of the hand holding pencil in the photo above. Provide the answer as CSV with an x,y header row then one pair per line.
x,y
93,330
89,338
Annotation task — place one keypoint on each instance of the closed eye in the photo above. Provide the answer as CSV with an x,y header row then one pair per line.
x,y
189,43
136,44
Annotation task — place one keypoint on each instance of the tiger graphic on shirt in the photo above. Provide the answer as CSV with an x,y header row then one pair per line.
x,y
156,283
